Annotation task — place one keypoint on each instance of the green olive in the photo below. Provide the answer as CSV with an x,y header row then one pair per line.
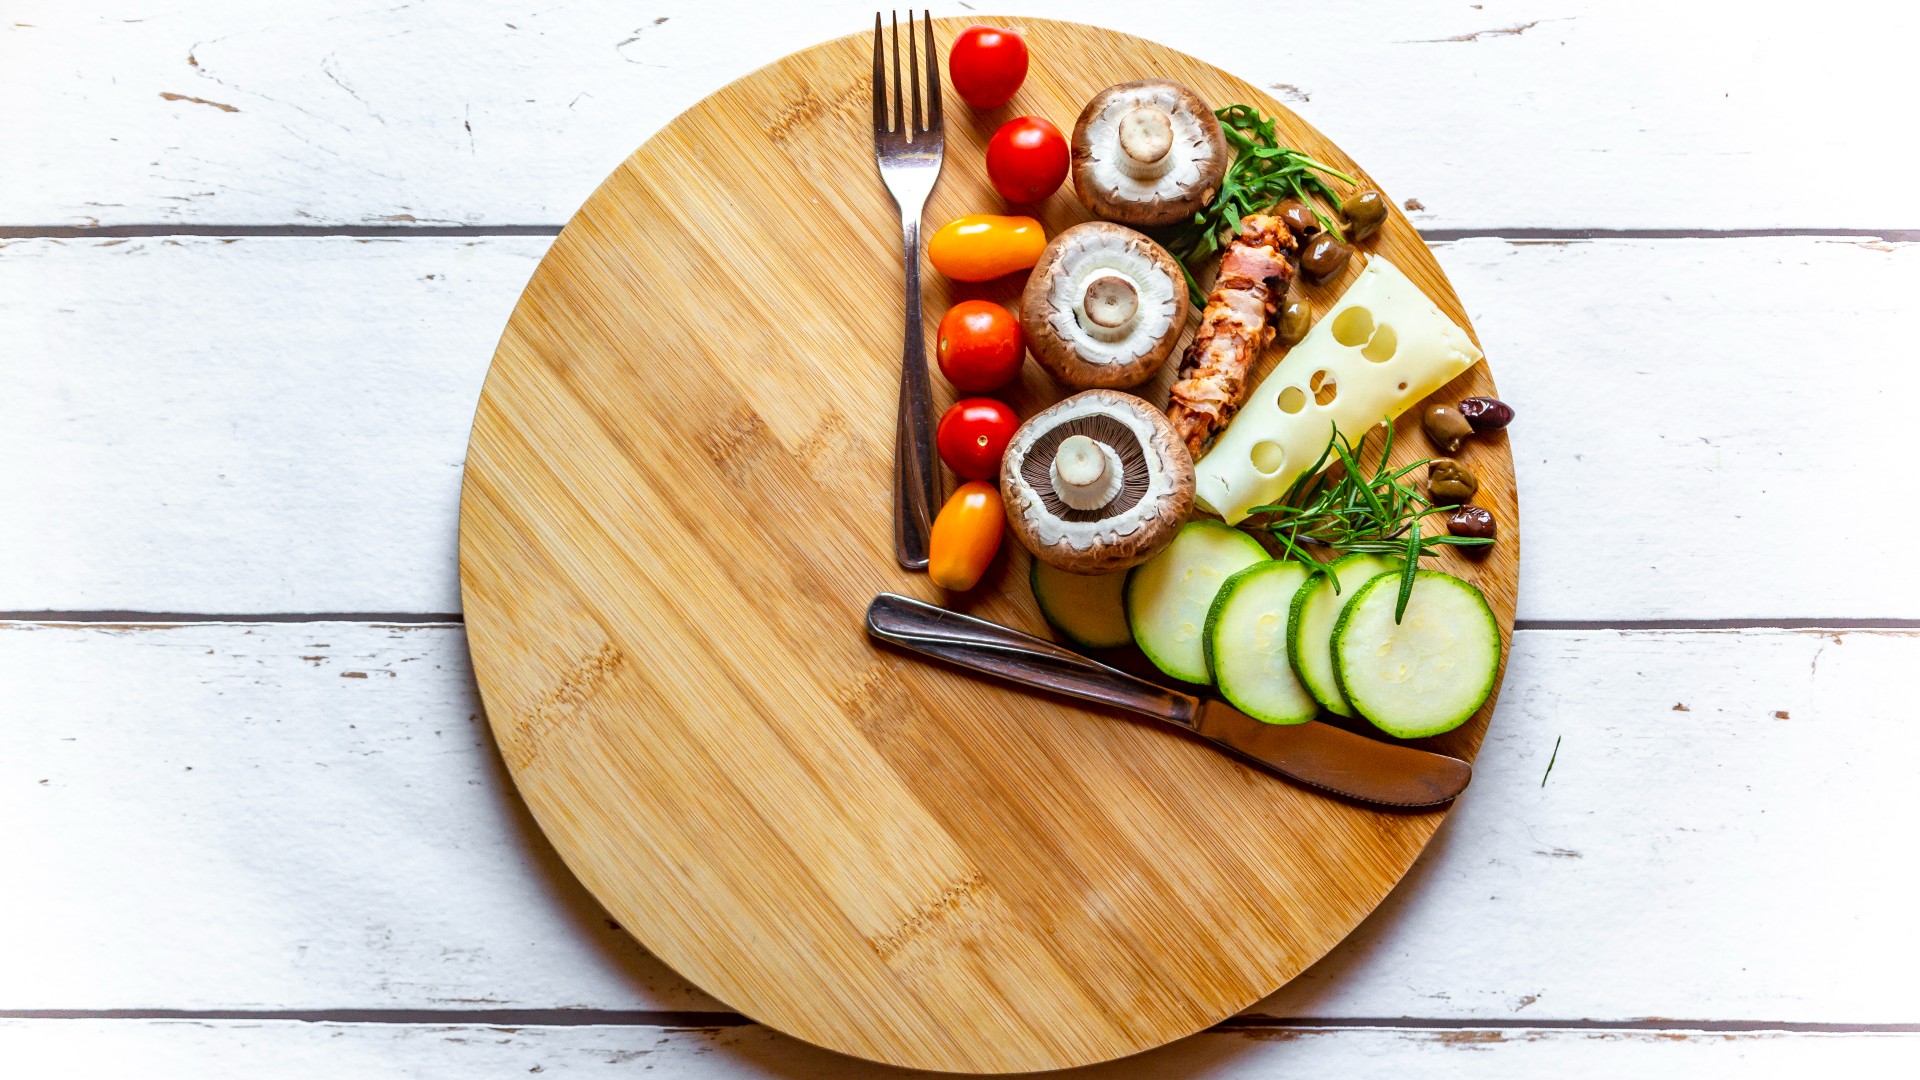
x,y
1449,483
1446,427
1296,318
1324,258
1365,210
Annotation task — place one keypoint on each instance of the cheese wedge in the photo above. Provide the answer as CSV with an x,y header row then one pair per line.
x,y
1381,348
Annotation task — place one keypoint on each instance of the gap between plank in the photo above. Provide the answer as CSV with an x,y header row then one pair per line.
x,y
176,618
82,232
1717,624
73,232
180,618
685,1019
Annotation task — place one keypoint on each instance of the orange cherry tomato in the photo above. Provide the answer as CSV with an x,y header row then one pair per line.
x,y
981,247
980,346
965,536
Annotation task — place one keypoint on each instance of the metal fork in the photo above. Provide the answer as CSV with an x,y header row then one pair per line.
x,y
909,157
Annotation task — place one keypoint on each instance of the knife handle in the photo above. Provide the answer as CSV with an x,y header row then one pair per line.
x,y
992,649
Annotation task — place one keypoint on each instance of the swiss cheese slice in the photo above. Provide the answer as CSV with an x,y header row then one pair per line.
x,y
1381,348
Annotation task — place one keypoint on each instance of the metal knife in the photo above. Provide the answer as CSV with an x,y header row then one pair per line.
x,y
1315,754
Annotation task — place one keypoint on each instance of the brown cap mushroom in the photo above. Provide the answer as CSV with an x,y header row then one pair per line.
x,y
1147,154
1097,483
1103,307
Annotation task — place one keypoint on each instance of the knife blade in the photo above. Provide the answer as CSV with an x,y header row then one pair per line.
x,y
1335,759
1315,754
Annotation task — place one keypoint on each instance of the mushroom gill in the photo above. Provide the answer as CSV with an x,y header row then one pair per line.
x,y
1096,483
1037,468
1147,154
1110,298
1146,142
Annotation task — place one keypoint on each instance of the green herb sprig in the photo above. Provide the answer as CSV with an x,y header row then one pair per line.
x,y
1349,509
1263,174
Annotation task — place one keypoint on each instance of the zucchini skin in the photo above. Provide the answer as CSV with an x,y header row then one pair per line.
x,y
1438,727
1335,702
1136,619
1062,626
1214,616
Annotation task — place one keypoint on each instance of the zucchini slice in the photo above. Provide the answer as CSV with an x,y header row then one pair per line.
x,y
1247,643
1316,607
1087,609
1427,673
1168,596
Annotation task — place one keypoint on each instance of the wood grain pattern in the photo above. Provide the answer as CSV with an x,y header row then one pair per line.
x,y
675,510
336,831
278,424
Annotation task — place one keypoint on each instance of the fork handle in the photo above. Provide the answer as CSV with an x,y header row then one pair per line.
x,y
915,481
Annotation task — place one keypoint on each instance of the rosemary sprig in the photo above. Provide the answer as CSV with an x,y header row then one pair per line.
x,y
1263,173
1339,506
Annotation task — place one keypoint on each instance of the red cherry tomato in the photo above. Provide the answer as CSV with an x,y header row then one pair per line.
x,y
987,65
973,435
1027,158
980,346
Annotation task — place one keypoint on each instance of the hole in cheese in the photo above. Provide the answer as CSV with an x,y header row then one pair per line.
x,y
1324,386
1384,344
1268,456
1353,326
1292,400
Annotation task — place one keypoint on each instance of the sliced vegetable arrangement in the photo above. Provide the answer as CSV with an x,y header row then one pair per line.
x,y
1088,609
1101,487
1171,594
1423,673
1248,628
1312,614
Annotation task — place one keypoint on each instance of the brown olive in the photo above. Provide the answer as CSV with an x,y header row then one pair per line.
x,y
1365,211
1446,427
1471,521
1486,414
1296,318
1324,258
1299,217
1449,482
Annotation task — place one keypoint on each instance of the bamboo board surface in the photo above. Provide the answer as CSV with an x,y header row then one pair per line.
x,y
675,511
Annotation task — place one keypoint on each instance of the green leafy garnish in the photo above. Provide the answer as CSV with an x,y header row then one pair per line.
x,y
1263,174
1339,507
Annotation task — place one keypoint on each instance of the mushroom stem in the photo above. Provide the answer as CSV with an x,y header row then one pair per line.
x,y
1086,474
1111,302
1146,139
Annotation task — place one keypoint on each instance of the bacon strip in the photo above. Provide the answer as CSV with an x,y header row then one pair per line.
x,y
1236,324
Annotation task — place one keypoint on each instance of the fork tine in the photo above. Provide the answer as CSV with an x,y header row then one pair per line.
x,y
933,76
899,111
913,73
879,79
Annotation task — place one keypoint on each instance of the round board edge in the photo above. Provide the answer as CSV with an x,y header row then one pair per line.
x,y
480,627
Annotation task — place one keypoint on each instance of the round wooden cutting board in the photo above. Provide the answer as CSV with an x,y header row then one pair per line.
x,y
675,511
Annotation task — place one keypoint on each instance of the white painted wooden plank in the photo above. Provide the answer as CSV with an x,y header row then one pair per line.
x,y
290,1050
307,816
1713,841
261,425
282,815
278,424
1559,113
